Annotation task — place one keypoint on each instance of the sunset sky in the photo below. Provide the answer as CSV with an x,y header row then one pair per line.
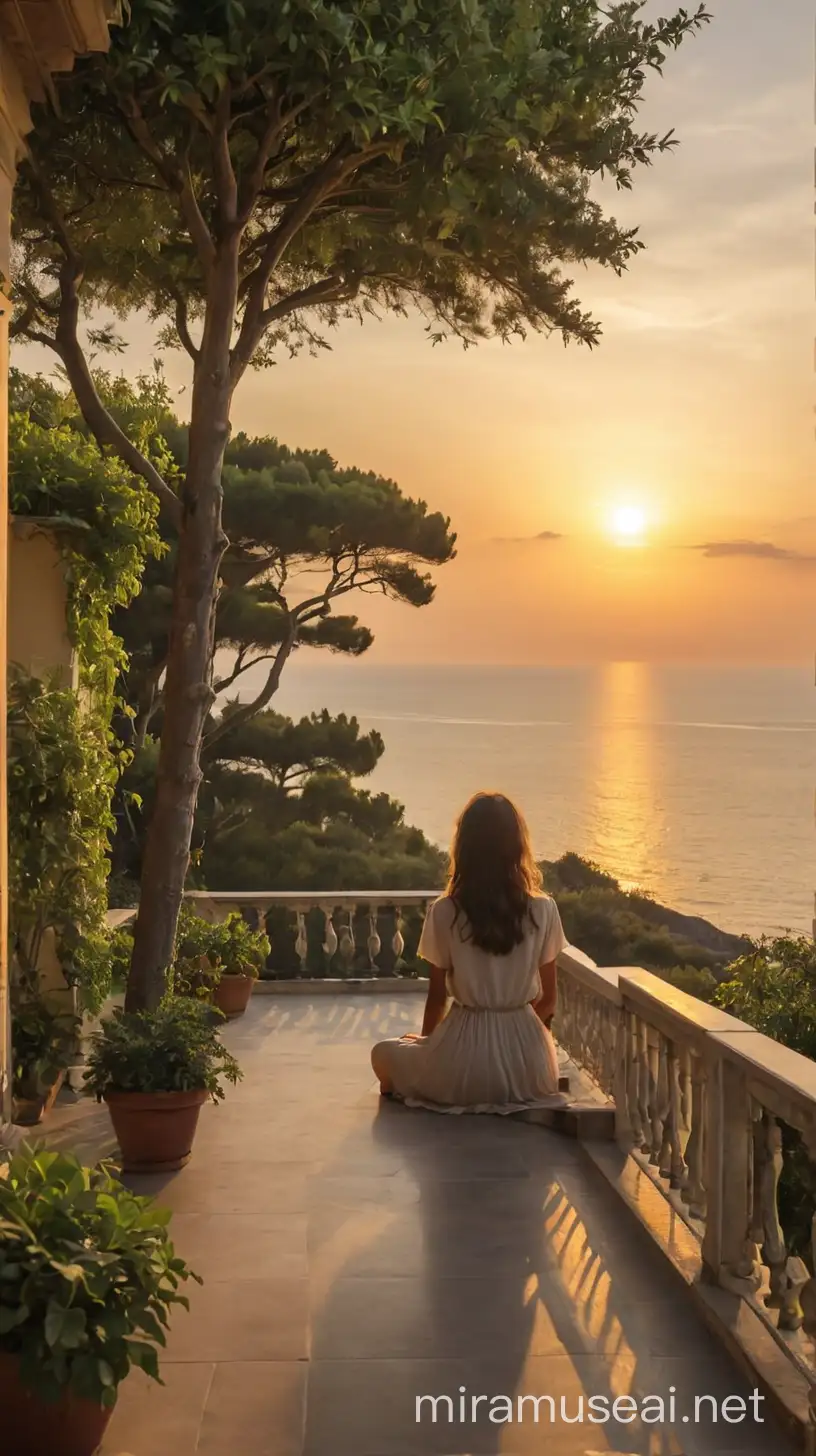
x,y
697,409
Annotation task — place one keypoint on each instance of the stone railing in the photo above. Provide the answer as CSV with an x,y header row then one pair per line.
x,y
722,1119
314,934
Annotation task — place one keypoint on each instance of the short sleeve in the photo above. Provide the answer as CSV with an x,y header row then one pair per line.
x,y
434,942
554,938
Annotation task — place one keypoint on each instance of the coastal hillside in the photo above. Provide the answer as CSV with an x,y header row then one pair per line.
x,y
620,927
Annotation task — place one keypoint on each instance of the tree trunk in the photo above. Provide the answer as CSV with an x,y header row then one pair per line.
x,y
188,694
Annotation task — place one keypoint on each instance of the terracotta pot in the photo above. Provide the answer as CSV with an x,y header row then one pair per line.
x,y
28,1111
155,1130
71,1426
232,994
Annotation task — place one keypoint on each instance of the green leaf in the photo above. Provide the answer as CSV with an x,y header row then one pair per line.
x,y
65,1327
145,1357
11,1318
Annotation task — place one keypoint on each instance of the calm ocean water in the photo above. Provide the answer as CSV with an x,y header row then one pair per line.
x,y
697,784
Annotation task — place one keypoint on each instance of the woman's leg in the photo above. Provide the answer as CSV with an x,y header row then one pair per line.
x,y
379,1061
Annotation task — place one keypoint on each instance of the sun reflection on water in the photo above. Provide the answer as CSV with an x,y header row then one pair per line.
x,y
628,818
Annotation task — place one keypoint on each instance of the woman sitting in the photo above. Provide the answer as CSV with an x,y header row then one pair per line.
x,y
492,941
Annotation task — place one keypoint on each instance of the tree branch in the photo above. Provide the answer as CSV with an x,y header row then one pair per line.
x,y
183,325
315,189
328,290
278,241
177,178
265,696
226,185
68,349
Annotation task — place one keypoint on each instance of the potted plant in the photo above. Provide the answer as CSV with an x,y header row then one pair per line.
x,y
195,976
88,1279
155,1070
43,1044
242,953
197,962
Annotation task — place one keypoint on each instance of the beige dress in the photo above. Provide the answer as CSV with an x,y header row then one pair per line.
x,y
490,1053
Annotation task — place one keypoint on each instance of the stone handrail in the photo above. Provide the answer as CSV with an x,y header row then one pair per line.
x,y
701,1102
341,911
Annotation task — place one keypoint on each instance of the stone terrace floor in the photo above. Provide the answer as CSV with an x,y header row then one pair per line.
x,y
357,1255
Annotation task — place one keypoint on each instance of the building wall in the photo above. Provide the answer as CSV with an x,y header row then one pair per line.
x,y
37,604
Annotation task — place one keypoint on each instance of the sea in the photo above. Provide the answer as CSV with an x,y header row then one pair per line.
x,y
696,784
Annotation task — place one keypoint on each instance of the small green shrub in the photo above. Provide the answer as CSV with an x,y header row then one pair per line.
x,y
773,988
88,1277
195,976
242,951
175,1048
43,1042
196,936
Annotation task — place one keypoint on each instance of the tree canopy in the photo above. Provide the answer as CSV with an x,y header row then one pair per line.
x,y
370,154
304,535
280,808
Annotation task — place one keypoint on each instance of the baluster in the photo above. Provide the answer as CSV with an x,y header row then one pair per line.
x,y
611,1022
774,1251
807,1297
661,1105
397,941
694,1192
633,1080
749,1263
647,1057
302,942
684,1071
374,942
330,942
347,940
676,1162
797,1277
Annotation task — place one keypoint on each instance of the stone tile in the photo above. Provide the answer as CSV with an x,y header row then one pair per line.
x,y
365,1319
226,1246
420,1240
327,1190
209,1187
255,1410
153,1420
248,1319
369,1408
702,1380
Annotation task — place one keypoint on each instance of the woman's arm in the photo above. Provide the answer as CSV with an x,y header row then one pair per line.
x,y
437,999
545,1007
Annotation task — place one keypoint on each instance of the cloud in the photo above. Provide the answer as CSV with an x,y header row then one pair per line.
x,y
755,550
519,540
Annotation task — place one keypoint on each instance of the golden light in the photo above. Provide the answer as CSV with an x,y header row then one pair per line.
x,y
628,524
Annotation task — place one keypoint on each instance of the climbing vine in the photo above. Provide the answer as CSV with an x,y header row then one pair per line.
x,y
64,757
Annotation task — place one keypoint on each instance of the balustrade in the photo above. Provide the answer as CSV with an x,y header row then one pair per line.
x,y
722,1119
336,935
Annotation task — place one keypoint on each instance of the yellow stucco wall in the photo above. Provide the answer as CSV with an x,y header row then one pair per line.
x,y
37,598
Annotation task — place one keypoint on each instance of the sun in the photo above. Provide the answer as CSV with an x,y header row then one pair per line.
x,y
627,524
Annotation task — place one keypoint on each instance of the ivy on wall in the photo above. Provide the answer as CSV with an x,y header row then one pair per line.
x,y
64,758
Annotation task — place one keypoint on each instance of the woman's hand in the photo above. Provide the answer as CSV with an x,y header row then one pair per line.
x,y
412,1036
437,999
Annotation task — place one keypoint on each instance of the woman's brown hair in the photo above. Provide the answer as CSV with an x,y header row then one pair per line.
x,y
492,874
